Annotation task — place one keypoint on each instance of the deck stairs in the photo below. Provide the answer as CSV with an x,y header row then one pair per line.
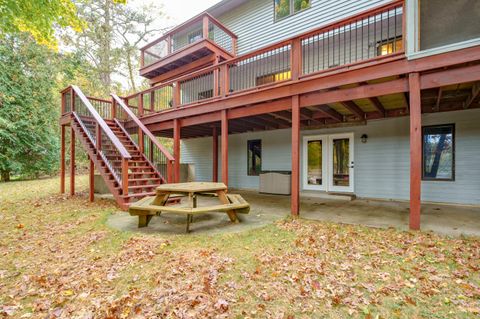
x,y
129,173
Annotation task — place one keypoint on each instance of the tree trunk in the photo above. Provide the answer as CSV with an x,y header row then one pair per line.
x,y
130,70
5,176
105,51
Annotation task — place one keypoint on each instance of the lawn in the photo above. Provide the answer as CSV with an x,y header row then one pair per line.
x,y
58,259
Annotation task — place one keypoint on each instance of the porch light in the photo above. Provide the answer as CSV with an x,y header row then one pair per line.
x,y
364,138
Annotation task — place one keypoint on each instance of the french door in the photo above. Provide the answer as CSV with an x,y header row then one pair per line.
x,y
328,163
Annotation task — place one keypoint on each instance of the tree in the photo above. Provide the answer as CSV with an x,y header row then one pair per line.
x,y
28,112
38,18
110,40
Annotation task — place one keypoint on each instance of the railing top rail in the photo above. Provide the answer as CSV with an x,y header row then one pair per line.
x,y
98,99
116,142
187,24
143,127
365,13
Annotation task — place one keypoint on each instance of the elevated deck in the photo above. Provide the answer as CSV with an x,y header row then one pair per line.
x,y
194,44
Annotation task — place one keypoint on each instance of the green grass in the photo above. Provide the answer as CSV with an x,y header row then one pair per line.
x,y
58,258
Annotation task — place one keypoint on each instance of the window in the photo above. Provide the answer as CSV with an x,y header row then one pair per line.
x,y
254,165
285,8
272,78
195,36
205,94
439,152
389,46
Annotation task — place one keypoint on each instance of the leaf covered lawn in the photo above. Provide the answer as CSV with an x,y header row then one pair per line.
x,y
58,259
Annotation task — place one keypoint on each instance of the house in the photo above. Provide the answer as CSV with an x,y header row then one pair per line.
x,y
374,98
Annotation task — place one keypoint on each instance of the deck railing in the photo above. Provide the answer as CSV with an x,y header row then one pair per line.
x,y
367,37
202,27
106,143
148,144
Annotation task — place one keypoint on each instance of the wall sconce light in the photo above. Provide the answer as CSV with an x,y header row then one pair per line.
x,y
364,138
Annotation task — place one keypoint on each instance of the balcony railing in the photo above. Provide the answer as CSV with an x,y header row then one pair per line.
x,y
203,27
367,37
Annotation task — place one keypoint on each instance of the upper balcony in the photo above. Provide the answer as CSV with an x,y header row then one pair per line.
x,y
197,39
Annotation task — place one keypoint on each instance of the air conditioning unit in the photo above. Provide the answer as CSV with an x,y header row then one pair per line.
x,y
279,183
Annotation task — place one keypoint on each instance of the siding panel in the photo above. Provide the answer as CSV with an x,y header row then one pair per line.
x,y
382,165
253,21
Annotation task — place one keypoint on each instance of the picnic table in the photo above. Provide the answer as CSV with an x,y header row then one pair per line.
x,y
231,204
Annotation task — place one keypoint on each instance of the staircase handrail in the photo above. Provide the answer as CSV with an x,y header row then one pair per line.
x,y
142,127
103,125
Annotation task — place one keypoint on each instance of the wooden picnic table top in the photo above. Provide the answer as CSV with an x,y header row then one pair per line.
x,y
192,187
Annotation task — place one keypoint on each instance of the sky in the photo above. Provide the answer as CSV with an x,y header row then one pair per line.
x,y
178,11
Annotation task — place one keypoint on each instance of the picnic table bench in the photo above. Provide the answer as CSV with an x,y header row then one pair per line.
x,y
231,204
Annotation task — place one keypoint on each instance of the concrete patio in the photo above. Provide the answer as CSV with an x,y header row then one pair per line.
x,y
265,209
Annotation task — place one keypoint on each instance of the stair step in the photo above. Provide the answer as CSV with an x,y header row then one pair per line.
x,y
142,173
139,195
144,179
143,186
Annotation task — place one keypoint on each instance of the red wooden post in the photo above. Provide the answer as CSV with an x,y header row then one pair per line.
x,y
150,155
141,142
170,177
98,137
415,150
225,81
176,148
72,161
152,101
63,104
72,100
62,160
295,199
215,155
205,23
176,94
140,105
124,176
92,181
296,58
224,147
216,81
114,108
234,46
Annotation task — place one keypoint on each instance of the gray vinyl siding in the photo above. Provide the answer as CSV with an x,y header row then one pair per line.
x,y
253,22
382,165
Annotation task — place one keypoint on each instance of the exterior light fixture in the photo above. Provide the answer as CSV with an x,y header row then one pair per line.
x,y
364,138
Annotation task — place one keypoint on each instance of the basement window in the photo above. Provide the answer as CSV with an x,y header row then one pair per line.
x,y
438,160
254,157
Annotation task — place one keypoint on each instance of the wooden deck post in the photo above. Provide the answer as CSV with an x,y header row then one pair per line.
x,y
205,27
415,150
215,154
91,196
176,148
295,197
62,160
224,147
72,161
124,176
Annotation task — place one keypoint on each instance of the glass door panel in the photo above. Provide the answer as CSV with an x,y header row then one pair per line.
x,y
341,162
315,167
315,162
